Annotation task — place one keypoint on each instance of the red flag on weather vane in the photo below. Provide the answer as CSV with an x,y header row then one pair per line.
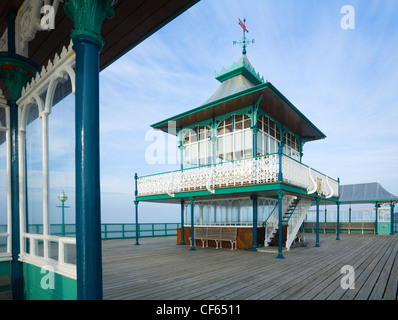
x,y
243,25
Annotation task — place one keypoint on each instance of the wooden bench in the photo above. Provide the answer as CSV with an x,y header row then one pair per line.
x,y
228,235
216,234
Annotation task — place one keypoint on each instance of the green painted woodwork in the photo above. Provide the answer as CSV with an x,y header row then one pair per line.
x,y
273,187
16,71
383,227
87,16
5,270
64,288
241,68
209,110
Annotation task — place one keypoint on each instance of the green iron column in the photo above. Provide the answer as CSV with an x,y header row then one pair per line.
x,y
392,218
87,16
317,222
338,221
137,230
192,199
280,213
376,222
182,243
255,210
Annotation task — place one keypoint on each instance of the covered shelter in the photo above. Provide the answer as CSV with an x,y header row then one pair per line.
x,y
379,220
49,49
372,193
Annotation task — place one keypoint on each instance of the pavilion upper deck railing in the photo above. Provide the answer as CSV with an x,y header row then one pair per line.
x,y
237,173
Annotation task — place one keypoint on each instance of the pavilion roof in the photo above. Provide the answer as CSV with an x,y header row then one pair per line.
x,y
365,193
241,87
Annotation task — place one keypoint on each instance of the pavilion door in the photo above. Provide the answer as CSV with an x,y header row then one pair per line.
x,y
384,221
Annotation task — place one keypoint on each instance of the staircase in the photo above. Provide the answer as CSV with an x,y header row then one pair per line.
x,y
291,221
275,239
274,242
5,285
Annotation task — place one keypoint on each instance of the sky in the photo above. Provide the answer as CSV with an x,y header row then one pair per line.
x,y
338,67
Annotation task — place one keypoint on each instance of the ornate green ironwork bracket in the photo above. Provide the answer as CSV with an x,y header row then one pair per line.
x,y
88,16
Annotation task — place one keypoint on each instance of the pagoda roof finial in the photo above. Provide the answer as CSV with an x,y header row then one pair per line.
x,y
244,41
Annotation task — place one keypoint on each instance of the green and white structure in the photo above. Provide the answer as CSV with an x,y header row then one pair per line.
x,y
241,163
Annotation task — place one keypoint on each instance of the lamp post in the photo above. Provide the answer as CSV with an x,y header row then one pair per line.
x,y
63,197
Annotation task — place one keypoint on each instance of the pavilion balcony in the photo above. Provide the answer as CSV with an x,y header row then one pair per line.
x,y
268,169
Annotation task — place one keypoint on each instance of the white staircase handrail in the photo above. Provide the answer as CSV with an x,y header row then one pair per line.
x,y
296,220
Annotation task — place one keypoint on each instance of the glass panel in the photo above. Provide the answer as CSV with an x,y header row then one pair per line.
x,y
238,122
238,137
229,147
260,144
34,169
272,146
272,128
70,253
61,141
2,118
3,186
186,156
228,125
220,149
248,144
194,154
202,153
247,122
209,145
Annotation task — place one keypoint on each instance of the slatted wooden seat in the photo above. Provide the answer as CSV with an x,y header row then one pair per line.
x,y
228,235
369,226
216,234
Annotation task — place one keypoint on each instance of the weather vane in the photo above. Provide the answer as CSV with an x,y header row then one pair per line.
x,y
244,42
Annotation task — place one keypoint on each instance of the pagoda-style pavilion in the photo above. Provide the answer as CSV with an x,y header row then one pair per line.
x,y
241,179
49,49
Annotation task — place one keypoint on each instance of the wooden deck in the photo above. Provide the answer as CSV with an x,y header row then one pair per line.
x,y
159,269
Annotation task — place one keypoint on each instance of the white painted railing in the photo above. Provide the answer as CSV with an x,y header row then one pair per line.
x,y
260,170
39,253
303,176
296,220
227,174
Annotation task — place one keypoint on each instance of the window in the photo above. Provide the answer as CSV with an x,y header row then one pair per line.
x,y
234,138
291,147
270,136
197,147
34,170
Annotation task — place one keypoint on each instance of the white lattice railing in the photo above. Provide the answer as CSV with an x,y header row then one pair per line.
x,y
260,170
227,174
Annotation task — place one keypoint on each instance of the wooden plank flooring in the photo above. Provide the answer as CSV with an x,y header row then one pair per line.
x,y
158,269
